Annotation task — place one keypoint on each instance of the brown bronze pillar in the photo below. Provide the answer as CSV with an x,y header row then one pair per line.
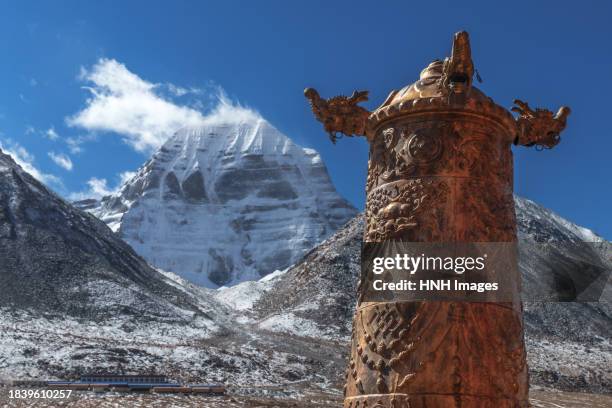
x,y
440,170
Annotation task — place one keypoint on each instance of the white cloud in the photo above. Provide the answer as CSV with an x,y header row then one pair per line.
x,y
74,143
51,133
33,82
121,102
125,177
228,111
181,91
61,160
26,160
98,187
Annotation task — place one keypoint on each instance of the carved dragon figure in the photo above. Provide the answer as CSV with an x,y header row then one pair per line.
x,y
539,127
458,69
340,114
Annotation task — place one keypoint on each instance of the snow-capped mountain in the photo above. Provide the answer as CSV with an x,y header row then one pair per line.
x,y
74,298
541,224
225,203
57,262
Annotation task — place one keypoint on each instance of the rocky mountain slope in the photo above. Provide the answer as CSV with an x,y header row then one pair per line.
x,y
67,281
568,343
226,203
57,259
75,299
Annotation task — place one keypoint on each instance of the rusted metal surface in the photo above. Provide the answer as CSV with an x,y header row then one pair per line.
x,y
539,127
340,114
440,170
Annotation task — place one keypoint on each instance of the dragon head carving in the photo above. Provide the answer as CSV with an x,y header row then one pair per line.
x,y
340,114
540,127
458,69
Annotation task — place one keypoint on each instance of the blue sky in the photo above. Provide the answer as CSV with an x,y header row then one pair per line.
x,y
64,62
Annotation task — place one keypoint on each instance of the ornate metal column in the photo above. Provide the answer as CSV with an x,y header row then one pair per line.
x,y
440,170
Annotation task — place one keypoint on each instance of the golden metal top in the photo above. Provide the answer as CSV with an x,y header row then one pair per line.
x,y
443,87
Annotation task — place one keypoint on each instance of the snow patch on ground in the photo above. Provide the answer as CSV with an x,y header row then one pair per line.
x,y
244,295
290,323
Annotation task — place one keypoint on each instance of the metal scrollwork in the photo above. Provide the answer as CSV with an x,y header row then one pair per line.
x,y
397,207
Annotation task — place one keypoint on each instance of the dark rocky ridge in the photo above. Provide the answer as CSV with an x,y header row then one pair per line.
x,y
74,298
58,260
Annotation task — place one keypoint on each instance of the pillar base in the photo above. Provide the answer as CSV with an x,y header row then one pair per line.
x,y
431,401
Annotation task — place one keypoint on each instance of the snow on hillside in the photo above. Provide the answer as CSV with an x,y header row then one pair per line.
x,y
244,295
535,219
226,203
